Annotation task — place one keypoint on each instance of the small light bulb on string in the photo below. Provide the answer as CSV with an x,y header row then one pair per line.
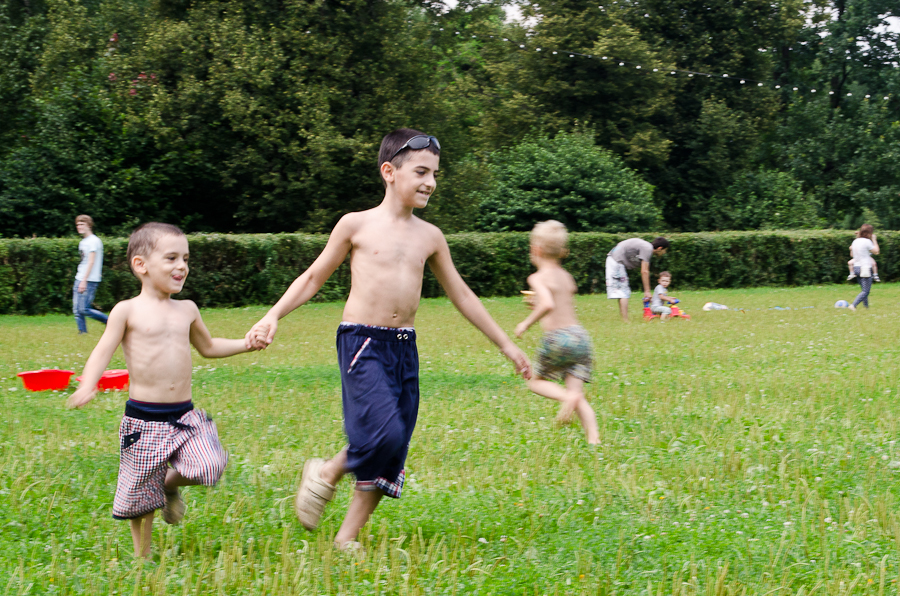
x,y
778,86
868,96
655,70
521,45
812,90
621,64
849,94
759,84
571,55
885,99
673,72
831,93
743,81
795,88
554,53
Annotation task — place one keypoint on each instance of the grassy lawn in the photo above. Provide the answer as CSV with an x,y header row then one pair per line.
x,y
742,452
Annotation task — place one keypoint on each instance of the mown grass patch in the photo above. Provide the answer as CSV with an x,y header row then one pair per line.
x,y
744,451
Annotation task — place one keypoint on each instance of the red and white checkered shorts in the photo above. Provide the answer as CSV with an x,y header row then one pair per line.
x,y
148,446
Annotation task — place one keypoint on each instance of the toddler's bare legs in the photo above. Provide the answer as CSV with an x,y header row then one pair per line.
x,y
362,505
573,400
575,386
142,535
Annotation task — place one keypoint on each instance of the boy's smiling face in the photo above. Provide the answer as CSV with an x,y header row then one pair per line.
x,y
414,181
166,267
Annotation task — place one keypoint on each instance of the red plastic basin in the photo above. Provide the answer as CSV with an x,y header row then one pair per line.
x,y
46,379
116,378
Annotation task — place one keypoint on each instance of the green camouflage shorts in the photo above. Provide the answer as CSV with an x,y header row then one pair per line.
x,y
565,351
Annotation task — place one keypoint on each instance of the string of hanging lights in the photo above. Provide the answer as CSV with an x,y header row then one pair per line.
x,y
666,71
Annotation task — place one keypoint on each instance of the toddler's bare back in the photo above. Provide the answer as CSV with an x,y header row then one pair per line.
x,y
157,349
563,289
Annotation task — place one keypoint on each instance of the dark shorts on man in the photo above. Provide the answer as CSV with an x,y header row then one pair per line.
x,y
380,392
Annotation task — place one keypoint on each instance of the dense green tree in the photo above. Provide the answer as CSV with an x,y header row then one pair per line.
x,y
569,179
762,200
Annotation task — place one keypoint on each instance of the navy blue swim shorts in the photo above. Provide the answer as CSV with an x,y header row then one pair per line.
x,y
380,391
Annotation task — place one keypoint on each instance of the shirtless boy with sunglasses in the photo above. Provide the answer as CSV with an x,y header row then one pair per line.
x,y
376,342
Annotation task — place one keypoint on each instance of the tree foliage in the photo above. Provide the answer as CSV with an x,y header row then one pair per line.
x,y
265,115
569,179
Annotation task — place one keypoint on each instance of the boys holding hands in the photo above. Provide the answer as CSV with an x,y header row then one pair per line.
x,y
565,351
388,248
160,426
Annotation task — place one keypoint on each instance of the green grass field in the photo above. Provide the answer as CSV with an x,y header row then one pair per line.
x,y
743,452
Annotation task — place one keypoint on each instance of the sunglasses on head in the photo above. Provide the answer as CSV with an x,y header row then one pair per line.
x,y
416,143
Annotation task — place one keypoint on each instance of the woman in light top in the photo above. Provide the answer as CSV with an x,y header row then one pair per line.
x,y
862,250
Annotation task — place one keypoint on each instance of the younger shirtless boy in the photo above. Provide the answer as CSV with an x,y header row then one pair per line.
x,y
161,426
376,342
565,351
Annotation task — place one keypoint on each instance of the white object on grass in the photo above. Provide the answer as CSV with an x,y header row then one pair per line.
x,y
714,306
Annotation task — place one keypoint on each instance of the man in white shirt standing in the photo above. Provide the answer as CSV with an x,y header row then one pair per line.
x,y
629,254
87,278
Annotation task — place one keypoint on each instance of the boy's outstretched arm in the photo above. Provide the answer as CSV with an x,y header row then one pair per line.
x,y
213,347
467,303
305,286
543,304
100,357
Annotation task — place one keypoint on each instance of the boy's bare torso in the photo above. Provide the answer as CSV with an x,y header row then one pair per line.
x,y
157,349
387,263
563,289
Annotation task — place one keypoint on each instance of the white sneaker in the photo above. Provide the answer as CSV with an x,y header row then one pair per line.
x,y
851,277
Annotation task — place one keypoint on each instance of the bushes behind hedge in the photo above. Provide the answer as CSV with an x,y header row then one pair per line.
x,y
36,275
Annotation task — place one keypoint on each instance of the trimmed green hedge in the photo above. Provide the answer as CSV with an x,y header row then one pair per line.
x,y
36,275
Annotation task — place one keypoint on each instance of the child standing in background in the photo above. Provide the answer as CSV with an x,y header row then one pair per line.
x,y
862,250
565,352
658,304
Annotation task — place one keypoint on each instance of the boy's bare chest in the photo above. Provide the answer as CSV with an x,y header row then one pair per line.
x,y
160,327
392,250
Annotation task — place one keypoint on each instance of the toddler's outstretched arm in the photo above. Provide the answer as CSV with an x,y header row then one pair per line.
x,y
543,304
214,347
100,356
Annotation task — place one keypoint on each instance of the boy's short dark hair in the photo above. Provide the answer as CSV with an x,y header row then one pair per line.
x,y
866,231
86,219
395,139
660,242
664,274
144,238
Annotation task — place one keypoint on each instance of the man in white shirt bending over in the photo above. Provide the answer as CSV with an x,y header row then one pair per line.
x,y
628,254
87,277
